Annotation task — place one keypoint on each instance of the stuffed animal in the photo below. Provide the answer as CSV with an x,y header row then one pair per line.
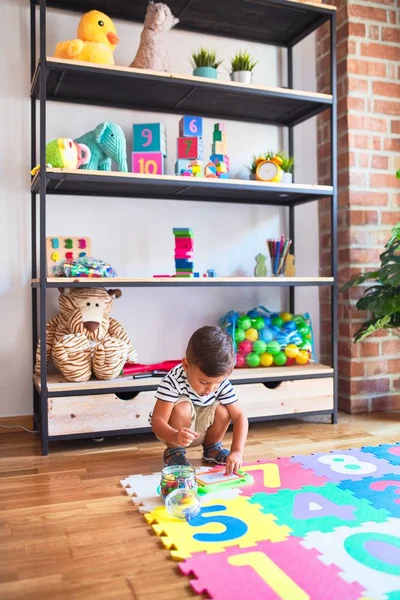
x,y
152,52
64,153
96,41
106,143
83,339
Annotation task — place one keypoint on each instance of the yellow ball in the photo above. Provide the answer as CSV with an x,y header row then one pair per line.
x,y
302,358
292,350
266,359
252,334
286,316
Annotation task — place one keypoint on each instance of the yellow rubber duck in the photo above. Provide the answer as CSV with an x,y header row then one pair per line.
x,y
96,41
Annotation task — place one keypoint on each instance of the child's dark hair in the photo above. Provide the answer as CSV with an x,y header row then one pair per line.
x,y
211,350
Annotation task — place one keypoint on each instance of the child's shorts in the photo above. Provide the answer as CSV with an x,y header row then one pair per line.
x,y
201,419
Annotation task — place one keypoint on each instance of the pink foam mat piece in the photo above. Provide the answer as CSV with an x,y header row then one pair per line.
x,y
268,571
271,476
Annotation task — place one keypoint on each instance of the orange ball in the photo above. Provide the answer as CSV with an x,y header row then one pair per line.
x,y
252,334
303,357
266,359
292,350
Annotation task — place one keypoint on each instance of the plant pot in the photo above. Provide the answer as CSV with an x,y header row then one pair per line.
x,y
209,72
253,177
242,76
287,178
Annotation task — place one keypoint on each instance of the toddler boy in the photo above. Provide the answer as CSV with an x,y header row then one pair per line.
x,y
195,403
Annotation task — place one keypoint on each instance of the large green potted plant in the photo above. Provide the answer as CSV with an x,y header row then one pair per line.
x,y
205,63
382,298
242,65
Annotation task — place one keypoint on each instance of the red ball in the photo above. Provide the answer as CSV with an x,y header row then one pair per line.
x,y
290,362
245,347
240,360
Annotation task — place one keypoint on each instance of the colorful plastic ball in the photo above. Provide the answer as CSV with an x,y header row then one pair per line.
x,y
273,347
253,314
303,357
266,359
291,350
259,347
266,335
304,329
240,360
258,323
253,359
298,319
306,345
277,321
240,335
286,316
290,362
244,322
252,334
280,359
245,347
289,326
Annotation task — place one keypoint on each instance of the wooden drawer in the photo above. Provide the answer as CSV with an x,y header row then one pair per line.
x,y
290,397
85,414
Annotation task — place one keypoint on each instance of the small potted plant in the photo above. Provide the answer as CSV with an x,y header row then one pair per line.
x,y
256,159
242,65
286,166
205,63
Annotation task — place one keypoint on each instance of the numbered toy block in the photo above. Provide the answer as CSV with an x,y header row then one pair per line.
x,y
149,137
190,148
218,136
183,232
182,264
182,165
184,245
191,126
148,163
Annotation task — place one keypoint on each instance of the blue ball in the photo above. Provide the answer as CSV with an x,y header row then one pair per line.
x,y
253,314
289,326
266,335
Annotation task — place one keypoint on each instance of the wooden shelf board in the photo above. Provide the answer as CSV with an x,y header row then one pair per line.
x,y
173,187
274,22
57,383
141,89
185,282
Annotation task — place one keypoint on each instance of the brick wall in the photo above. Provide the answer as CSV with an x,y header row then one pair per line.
x,y
368,70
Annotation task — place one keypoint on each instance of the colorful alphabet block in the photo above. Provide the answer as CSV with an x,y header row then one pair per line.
x,y
148,163
219,148
190,148
191,126
149,137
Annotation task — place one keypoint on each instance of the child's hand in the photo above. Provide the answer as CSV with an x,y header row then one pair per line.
x,y
184,436
234,462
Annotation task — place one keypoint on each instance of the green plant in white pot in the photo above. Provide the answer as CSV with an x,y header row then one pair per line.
x,y
242,65
205,63
287,167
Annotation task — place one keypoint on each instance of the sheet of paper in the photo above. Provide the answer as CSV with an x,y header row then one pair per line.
x,y
217,477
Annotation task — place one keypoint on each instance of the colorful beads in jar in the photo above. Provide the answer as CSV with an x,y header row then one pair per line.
x,y
177,477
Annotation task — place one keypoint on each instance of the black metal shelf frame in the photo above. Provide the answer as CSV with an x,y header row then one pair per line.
x,y
296,21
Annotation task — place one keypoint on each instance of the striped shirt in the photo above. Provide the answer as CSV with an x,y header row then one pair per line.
x,y
176,384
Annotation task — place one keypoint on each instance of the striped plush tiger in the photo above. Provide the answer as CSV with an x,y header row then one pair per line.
x,y
83,339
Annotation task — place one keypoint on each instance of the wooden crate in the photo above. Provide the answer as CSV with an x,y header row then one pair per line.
x,y
290,397
106,412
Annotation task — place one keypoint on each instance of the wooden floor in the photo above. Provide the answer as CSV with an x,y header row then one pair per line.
x,y
67,529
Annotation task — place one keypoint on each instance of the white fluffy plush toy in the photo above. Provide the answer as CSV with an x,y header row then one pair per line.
x,y
152,52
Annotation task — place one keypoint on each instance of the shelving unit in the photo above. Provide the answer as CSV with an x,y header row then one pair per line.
x,y
307,390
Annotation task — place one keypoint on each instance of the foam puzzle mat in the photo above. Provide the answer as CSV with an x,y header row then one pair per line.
x,y
319,527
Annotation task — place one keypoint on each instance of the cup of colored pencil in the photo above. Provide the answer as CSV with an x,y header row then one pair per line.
x,y
278,251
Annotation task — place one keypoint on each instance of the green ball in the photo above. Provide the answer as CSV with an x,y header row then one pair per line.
x,y
240,335
280,359
244,322
277,321
259,347
273,348
258,323
299,320
253,359
303,329
306,345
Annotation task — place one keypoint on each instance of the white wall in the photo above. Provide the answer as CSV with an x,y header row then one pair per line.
x,y
135,236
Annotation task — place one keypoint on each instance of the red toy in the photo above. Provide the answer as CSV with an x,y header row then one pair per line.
x,y
134,368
